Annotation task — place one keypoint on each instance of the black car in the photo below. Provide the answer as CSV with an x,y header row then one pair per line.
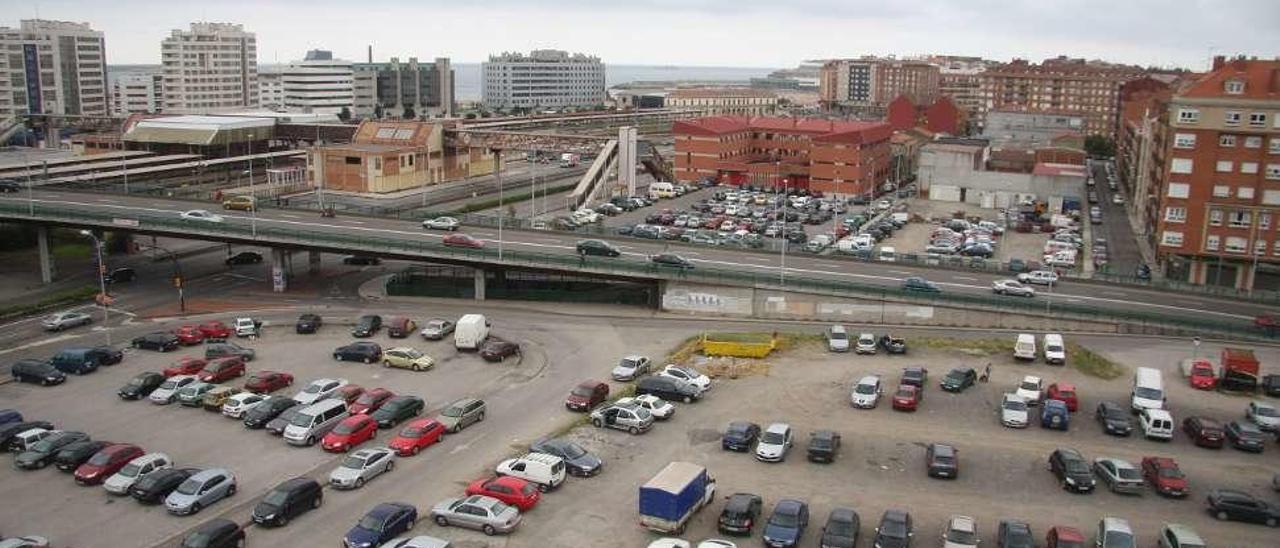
x,y
72,456
120,275
277,425
308,323
1014,534
266,411
740,514
895,530
367,352
668,389
598,247
361,260
786,524
9,430
158,341
397,409
959,379
154,487
106,355
1114,419
1245,436
915,376
141,385
1271,385
893,345
1072,470
577,461
942,461
740,436
37,372
496,350
215,533
10,185
367,326
244,257
841,529
823,446
287,501
671,260
41,453
1226,504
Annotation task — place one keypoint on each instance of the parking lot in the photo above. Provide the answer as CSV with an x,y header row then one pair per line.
x,y
914,237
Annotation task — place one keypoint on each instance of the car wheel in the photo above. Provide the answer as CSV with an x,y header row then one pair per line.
x,y
337,358
359,483
368,360
633,430
282,521
386,363
480,418
442,521
414,450
311,441
240,543
417,368
542,487
316,502
488,530
597,423
195,508
688,399
1221,515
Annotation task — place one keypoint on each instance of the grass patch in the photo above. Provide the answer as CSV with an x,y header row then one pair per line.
x,y
55,300
752,338
984,347
70,250
507,200
1093,364
685,350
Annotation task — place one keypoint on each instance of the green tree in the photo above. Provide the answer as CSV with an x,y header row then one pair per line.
x,y
1099,146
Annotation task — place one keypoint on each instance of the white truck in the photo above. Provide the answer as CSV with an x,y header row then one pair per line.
x,y
569,160
470,332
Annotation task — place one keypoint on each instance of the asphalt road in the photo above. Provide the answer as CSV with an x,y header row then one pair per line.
x,y
796,263
1122,246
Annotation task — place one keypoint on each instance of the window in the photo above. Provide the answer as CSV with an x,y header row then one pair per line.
x,y
1221,191
1248,167
1274,144
352,160
1183,190
1211,242
1227,141
1239,219
1234,87
1181,165
1184,140
1172,239
1275,248
1264,221
1258,119
1215,217
1244,193
1260,247
1271,197
1253,142
1175,214
1236,244
1231,118
1273,171
1225,166
1188,116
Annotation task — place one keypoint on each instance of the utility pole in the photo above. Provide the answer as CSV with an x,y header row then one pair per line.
x,y
102,285
497,172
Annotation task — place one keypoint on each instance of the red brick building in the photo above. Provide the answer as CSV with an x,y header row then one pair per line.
x,y
837,157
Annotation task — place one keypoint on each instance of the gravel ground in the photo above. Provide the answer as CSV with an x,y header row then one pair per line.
x,y
914,237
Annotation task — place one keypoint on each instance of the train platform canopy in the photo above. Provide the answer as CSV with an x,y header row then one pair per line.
x,y
201,130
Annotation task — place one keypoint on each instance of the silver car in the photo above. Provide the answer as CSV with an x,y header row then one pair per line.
x,y
120,482
1012,287
631,367
1119,475
416,542
436,329
1263,414
168,390
487,514
200,490
441,223
65,320
362,466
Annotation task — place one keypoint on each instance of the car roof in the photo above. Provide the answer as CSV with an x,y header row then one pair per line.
x,y
1184,534
1116,524
369,451
1031,378
869,379
1055,404
739,501
1011,396
204,475
1158,413
789,506
1063,386
963,523
1068,533
1118,463
778,427
385,509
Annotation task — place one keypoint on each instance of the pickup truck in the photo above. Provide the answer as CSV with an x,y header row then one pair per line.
x,y
247,327
669,500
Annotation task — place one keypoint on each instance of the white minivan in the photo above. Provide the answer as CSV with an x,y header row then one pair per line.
x,y
541,469
1055,352
1156,424
1148,389
1024,348
470,332
661,190
314,421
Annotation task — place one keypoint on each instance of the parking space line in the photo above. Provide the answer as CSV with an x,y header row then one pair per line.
x,y
964,278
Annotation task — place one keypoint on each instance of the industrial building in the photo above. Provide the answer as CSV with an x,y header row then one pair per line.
x,y
52,67
957,170
212,67
543,79
1032,128
404,90
724,101
389,156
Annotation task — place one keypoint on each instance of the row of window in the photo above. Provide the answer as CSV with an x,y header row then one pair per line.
x,y
1229,118
1185,166
1230,244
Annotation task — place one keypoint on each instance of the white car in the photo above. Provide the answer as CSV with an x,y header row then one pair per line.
x,y
1030,389
962,532
1042,277
64,320
1014,411
866,394
1011,287
319,389
689,375
866,344
201,215
774,442
236,406
168,390
1117,199
441,223
1263,414
362,466
660,409
630,368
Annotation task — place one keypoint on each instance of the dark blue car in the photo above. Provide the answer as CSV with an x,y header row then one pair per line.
x,y
10,415
786,524
1055,415
740,436
385,522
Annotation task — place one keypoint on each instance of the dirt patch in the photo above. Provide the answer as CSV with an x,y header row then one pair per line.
x,y
1093,364
968,347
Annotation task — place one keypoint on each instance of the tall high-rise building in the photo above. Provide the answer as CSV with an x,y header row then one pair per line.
x,y
543,79
1090,88
960,78
865,86
137,92
318,83
52,67
210,67
396,89
271,89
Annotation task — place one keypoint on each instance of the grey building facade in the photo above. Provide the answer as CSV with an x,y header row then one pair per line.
x,y
426,88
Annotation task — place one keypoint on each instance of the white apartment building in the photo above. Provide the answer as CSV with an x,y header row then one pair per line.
x,y
319,83
543,79
271,89
136,92
211,67
54,67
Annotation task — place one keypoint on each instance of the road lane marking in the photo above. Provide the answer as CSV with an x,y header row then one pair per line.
x,y
964,278
902,272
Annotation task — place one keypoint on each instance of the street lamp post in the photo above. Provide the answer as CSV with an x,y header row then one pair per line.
x,y
178,280
102,285
497,171
253,207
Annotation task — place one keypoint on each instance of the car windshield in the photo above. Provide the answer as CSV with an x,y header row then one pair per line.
x,y
628,363
368,398
412,354
346,427
1053,348
44,445
301,420
1015,405
572,451
840,527
189,487
1266,411
130,470
784,519
1171,473
1129,474
276,498
893,529
1066,394
353,462
1076,466
962,537
313,388
137,382
955,375
867,389
1028,385
412,432
435,324
100,458
836,335
1148,393
169,385
905,393
371,523
773,438
583,391
1117,539
452,411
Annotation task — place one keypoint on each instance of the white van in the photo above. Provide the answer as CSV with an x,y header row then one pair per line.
x,y
1148,389
1055,352
1054,246
470,332
1064,259
316,420
545,471
661,190
887,254
1024,348
1156,423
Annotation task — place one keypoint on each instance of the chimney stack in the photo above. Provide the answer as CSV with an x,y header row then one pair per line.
x,y
1218,61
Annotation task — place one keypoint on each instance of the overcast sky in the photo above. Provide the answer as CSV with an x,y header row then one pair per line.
x,y
745,33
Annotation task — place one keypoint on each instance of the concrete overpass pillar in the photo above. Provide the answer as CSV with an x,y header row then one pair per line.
x,y
279,279
46,259
313,262
479,284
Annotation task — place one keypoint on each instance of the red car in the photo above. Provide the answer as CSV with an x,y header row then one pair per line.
x,y
189,335
1202,376
348,393
416,435
1065,393
587,395
1204,431
1163,474
1064,537
511,490
370,401
463,240
106,462
223,369
907,398
266,382
352,431
215,330
186,366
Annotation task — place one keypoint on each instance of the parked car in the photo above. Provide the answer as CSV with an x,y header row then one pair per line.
x,y
629,416
287,500
400,327
1064,537
893,344
1202,376
154,487
1245,436
631,367
1014,412
1204,431
240,404
189,335
1229,505
1165,476
660,409
1114,418
186,365
487,514
72,456
942,461
158,341
192,395
895,530
367,326
308,323
1072,471
961,532
349,433
41,453
587,395
1119,475
497,350
1176,535
740,436
740,514
866,344
915,376
1031,390
1114,532
362,466
222,369
370,400
687,374
462,413
577,461
1065,393
668,388
545,471
215,330
513,491
785,526
106,462
436,329
866,394
841,529
138,468
168,390
215,533
907,398
228,349
1265,415
37,372
1054,415
268,410
65,320
266,382
360,351
398,409
837,339
958,379
416,435
381,524
319,389
774,443
1015,534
